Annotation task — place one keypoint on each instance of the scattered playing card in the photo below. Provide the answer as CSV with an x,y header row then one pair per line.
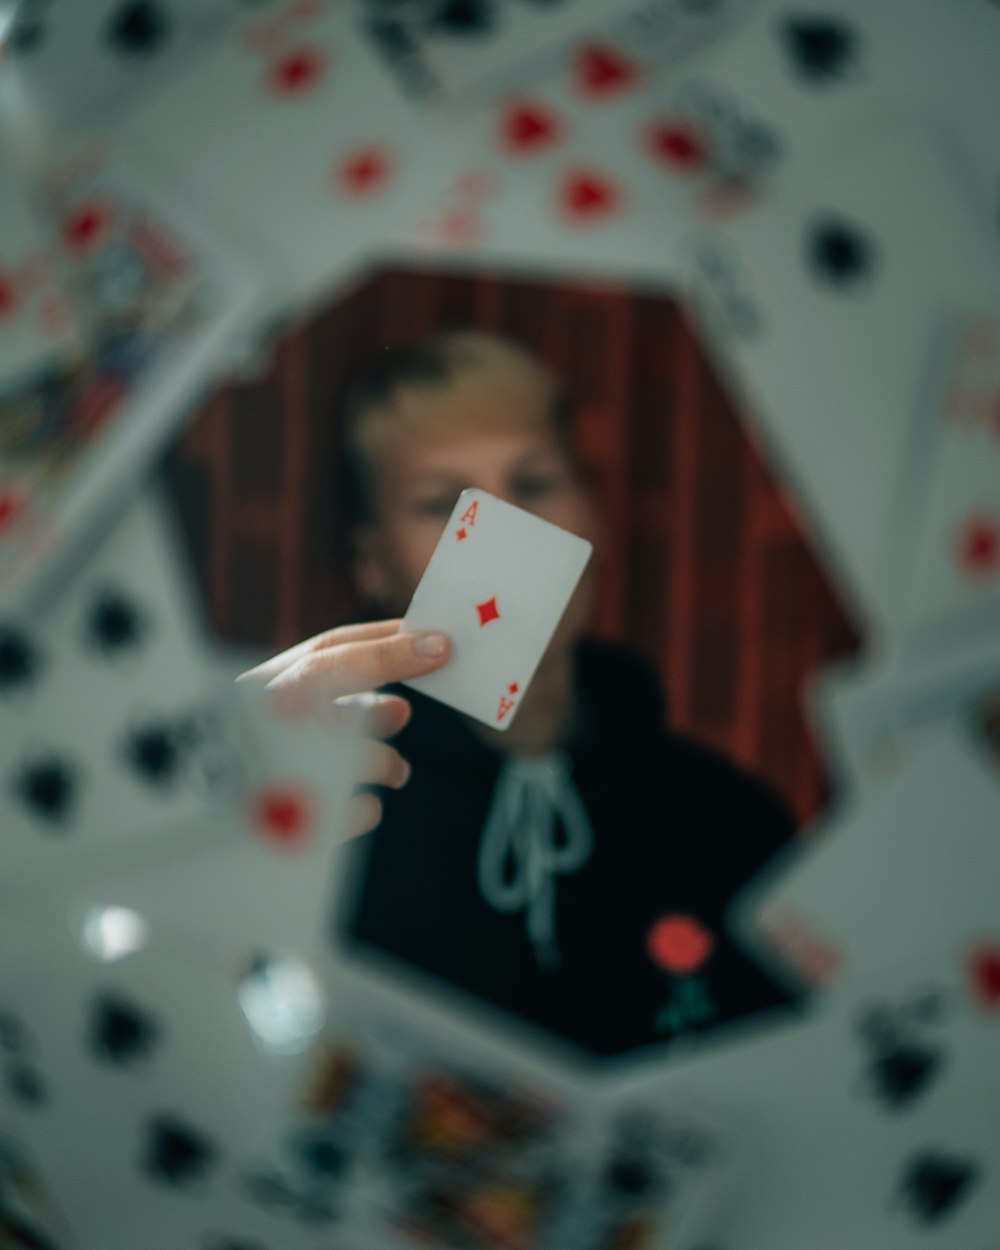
x,y
497,584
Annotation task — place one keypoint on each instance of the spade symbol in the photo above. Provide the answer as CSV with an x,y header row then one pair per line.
x,y
464,17
839,254
139,27
120,1031
175,1152
153,754
934,1185
902,1072
114,624
18,660
48,788
821,48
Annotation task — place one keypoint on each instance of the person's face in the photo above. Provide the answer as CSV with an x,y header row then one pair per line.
x,y
419,480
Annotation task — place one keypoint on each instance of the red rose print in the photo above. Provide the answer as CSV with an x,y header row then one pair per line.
x,y
679,943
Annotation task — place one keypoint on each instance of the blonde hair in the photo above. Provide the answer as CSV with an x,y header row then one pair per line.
x,y
456,379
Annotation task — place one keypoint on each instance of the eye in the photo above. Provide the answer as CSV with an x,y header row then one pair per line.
x,y
436,506
535,485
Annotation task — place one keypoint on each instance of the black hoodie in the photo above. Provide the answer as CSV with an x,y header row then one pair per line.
x,y
677,831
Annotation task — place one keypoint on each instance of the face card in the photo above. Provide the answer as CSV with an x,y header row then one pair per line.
x,y
842,274
497,584
908,866
160,300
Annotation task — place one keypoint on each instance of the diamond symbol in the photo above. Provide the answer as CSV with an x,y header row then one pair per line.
x,y
462,533
513,688
488,611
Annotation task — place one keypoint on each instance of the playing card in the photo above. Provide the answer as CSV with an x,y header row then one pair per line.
x,y
278,843
497,585
871,715
842,271
460,54
954,567
39,327
138,1086
159,299
113,734
292,131
601,165
81,65
910,865
873,1123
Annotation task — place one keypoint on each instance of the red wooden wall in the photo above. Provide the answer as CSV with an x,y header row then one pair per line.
x,y
712,577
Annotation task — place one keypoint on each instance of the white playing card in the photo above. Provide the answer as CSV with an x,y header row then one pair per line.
x,y
600,165
292,131
140,1088
872,1124
822,304
460,55
497,584
112,731
280,843
911,865
872,715
160,299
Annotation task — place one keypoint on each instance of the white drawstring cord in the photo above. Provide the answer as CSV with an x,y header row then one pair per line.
x,y
531,792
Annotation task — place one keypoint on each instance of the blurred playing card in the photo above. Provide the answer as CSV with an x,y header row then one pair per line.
x,y
291,130
497,584
159,299
280,841
113,734
842,273
906,867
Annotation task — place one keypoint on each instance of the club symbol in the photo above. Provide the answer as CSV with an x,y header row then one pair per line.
x,y
18,660
140,27
488,611
839,253
820,48
48,787
114,624
934,1184
175,1152
120,1031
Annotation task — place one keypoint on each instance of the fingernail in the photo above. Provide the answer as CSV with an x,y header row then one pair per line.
x,y
407,773
430,646
367,700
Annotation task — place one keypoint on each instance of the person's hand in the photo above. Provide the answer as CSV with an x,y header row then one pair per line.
x,y
338,670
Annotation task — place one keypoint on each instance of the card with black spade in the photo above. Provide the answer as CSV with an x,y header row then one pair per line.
x,y
497,584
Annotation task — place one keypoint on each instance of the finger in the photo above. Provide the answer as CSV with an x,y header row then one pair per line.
x,y
385,714
384,766
365,815
365,632
358,666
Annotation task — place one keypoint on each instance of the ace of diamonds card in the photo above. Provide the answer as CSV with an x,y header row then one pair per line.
x,y
497,584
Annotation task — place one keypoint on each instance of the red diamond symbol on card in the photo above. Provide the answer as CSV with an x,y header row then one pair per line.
x,y
282,815
601,70
86,226
984,969
298,72
364,171
527,127
587,196
676,145
462,534
513,688
488,611
979,546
